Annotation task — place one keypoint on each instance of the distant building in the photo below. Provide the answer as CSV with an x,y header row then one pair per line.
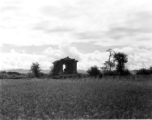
x,y
70,66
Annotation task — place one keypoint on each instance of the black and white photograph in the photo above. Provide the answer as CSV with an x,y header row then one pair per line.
x,y
75,59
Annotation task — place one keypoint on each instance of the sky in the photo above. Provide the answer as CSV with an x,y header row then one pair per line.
x,y
47,30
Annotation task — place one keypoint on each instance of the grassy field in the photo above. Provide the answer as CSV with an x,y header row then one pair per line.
x,y
45,99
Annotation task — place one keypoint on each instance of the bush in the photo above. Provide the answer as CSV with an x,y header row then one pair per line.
x,y
143,71
94,72
11,75
30,75
115,73
44,75
126,72
3,75
35,69
110,73
150,70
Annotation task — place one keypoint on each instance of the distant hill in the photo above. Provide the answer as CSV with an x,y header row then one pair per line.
x,y
82,71
18,70
24,70
44,71
133,72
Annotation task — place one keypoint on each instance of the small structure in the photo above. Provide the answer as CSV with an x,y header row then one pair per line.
x,y
70,66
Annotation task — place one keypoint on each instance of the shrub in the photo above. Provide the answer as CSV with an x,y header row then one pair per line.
x,y
143,71
30,75
3,75
35,68
44,75
150,70
11,75
126,72
116,73
110,73
94,72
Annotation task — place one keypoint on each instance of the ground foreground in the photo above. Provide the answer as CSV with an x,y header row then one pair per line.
x,y
75,99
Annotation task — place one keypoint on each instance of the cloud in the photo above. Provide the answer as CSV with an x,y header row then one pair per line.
x,y
138,56
89,35
14,59
9,8
23,61
62,11
50,27
135,30
63,22
64,50
86,60
57,22
137,24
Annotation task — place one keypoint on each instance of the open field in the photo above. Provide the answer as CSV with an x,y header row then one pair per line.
x,y
89,98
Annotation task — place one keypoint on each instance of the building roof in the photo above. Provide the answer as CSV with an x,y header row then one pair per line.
x,y
65,59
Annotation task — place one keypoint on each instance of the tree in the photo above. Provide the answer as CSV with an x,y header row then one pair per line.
x,y
94,72
150,70
35,68
110,64
120,59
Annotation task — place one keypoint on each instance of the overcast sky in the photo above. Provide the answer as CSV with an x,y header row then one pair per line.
x,y
46,30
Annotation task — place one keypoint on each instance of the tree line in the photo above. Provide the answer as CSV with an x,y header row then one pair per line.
x,y
114,66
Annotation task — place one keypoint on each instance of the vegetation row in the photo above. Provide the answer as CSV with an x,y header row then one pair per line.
x,y
114,66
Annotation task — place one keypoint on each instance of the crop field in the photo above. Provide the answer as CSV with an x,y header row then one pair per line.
x,y
87,98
